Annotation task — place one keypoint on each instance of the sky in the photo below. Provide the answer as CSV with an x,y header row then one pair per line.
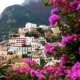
x,y
6,3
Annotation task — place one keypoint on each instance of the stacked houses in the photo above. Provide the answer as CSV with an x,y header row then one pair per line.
x,y
25,46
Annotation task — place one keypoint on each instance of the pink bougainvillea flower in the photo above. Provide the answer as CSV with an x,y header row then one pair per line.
x,y
74,73
53,19
62,59
32,63
40,77
10,68
54,11
66,40
78,73
68,72
78,6
76,66
29,62
48,48
72,4
32,72
55,53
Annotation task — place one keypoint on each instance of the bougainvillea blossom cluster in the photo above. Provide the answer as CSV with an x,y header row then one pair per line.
x,y
48,48
74,72
66,40
54,17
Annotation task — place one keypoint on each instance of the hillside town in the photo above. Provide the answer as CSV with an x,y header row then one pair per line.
x,y
28,42
40,40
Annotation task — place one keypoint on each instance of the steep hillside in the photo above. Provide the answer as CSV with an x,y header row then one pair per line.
x,y
16,16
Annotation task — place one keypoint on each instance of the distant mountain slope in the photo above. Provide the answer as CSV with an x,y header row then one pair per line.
x,y
30,1
16,16
37,8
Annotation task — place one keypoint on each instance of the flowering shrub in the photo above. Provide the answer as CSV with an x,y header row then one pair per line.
x,y
59,72
29,62
53,18
74,72
70,11
69,52
48,48
30,73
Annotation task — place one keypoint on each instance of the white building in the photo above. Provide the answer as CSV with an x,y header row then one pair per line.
x,y
44,27
55,31
42,39
17,41
22,31
3,50
36,58
35,45
11,50
29,40
41,52
20,41
30,25
12,41
23,50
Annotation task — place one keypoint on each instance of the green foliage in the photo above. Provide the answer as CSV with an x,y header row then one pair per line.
x,y
3,69
46,3
42,42
27,34
42,62
56,38
32,35
40,30
48,40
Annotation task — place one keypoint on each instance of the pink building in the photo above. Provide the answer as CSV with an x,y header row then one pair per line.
x,y
20,41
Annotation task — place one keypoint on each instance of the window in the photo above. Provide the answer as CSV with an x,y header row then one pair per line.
x,y
17,49
24,49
